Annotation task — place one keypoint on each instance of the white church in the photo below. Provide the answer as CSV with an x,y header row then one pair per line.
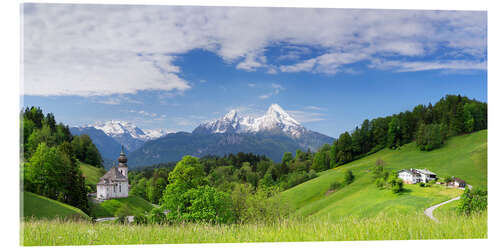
x,y
114,184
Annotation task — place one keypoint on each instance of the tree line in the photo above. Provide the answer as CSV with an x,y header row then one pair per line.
x,y
427,125
50,158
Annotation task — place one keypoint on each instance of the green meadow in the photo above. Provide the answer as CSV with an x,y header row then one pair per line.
x,y
39,207
358,211
381,227
91,173
129,205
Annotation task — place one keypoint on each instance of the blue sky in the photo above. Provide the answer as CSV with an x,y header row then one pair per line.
x,y
175,67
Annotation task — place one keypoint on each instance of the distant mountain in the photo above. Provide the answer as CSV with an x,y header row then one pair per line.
x,y
107,146
272,134
109,136
275,120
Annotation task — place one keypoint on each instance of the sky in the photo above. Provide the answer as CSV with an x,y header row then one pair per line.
x,y
176,67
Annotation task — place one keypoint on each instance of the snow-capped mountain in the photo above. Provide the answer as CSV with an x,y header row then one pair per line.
x,y
272,134
276,119
115,128
122,132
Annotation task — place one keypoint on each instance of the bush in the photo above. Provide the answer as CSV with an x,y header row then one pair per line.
x,y
395,183
380,183
473,201
263,205
421,184
335,186
348,177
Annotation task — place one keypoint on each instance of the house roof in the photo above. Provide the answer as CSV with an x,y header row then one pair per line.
x,y
111,176
425,171
458,180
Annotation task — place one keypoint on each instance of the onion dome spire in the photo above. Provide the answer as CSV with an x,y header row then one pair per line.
x,y
122,159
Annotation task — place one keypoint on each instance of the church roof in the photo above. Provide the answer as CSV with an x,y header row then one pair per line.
x,y
111,176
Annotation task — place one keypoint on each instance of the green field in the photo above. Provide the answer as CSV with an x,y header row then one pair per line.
x,y
381,227
108,208
39,207
358,211
91,173
462,156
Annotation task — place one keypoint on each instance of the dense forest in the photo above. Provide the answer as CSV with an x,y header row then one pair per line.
x,y
49,158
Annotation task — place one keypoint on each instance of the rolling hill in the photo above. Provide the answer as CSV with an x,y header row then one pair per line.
x,y
91,173
39,207
132,205
462,156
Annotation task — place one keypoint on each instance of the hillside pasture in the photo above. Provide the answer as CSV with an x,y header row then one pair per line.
x,y
134,205
461,156
39,207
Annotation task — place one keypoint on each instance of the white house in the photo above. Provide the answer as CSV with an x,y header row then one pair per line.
x,y
114,184
412,176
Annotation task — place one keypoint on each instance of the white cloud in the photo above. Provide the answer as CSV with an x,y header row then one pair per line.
x,y
252,85
275,89
306,117
405,66
92,50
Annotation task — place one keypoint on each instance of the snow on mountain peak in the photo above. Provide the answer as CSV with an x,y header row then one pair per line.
x,y
276,118
115,128
231,115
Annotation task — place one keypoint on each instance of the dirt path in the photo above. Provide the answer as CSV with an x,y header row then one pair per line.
x,y
429,211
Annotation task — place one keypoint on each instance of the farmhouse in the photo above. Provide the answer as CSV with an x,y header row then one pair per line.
x,y
457,182
412,176
114,184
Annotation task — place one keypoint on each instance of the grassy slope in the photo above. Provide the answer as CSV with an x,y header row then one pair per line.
x,y
42,207
402,227
108,208
91,173
462,156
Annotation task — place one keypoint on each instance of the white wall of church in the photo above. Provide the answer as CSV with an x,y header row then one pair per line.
x,y
118,190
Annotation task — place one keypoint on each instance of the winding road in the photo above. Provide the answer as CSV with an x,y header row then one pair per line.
x,y
429,211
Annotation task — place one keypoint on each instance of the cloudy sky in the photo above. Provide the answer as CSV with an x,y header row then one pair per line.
x,y
174,67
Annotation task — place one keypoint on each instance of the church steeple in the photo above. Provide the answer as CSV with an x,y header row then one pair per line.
x,y
122,163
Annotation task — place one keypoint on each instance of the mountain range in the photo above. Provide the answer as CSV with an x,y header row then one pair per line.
x,y
272,134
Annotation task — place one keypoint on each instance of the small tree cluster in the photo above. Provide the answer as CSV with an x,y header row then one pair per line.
x,y
474,201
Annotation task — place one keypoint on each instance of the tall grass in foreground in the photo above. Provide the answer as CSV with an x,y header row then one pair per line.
x,y
403,227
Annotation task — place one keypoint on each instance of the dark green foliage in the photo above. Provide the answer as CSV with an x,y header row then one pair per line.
x,y
86,151
322,158
336,186
348,177
343,149
394,134
474,201
429,137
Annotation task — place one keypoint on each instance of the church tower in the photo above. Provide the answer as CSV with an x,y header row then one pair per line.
x,y
122,164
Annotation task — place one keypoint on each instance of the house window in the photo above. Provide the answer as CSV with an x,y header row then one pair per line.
x,y
120,188
114,188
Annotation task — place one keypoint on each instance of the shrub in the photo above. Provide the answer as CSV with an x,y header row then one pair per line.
x,y
395,183
473,201
421,184
336,185
380,183
348,177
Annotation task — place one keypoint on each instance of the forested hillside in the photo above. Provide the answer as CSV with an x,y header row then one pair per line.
x,y
50,158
